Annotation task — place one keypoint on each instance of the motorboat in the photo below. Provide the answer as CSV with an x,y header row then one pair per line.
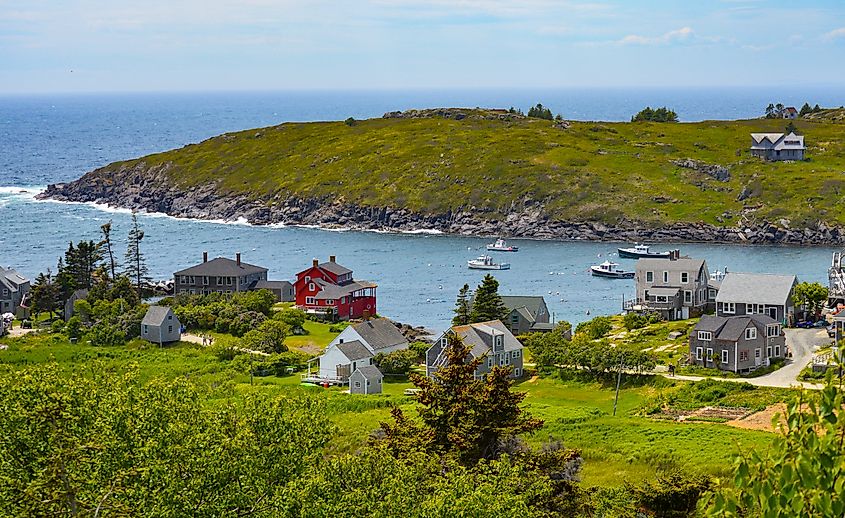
x,y
611,271
501,246
639,251
485,262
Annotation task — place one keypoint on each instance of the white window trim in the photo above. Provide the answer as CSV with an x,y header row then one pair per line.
x,y
310,300
709,355
688,296
685,277
728,308
705,336
699,352
665,277
725,356
757,352
751,333
649,276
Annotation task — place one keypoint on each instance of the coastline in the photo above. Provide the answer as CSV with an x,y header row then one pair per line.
x,y
153,199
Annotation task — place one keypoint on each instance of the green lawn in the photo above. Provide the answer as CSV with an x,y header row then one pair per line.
x,y
628,446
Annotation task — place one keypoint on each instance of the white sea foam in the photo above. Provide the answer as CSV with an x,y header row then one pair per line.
x,y
28,192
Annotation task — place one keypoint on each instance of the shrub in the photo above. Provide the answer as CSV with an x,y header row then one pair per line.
x,y
269,337
102,335
634,321
293,317
397,362
595,328
419,348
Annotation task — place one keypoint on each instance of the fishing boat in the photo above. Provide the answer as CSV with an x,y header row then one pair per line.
x,y
501,246
485,262
639,251
610,270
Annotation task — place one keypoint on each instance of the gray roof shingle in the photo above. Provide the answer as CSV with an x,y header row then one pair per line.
x,y
370,372
334,268
354,350
756,288
155,315
682,264
222,267
529,302
472,336
380,333
272,285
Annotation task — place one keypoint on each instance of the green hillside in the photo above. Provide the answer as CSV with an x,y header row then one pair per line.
x,y
594,171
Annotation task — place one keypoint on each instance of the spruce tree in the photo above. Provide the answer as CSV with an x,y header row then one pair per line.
x,y
44,294
487,304
106,242
136,265
462,307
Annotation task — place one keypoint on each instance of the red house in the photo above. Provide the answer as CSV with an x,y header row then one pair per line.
x,y
329,290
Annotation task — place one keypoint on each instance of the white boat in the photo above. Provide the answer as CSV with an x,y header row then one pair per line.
x,y
501,246
485,262
610,270
639,251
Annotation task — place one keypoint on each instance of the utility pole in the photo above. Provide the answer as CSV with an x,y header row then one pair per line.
x,y
618,382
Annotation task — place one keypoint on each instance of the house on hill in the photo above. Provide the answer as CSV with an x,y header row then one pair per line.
x,y
161,326
14,292
219,275
757,294
777,146
356,346
736,343
526,314
678,287
329,291
789,113
491,341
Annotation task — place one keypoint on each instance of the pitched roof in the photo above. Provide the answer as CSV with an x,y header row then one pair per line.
x,y
333,267
731,328
771,137
756,288
155,315
354,350
529,302
380,333
472,336
370,372
11,278
335,291
668,292
272,285
222,267
791,141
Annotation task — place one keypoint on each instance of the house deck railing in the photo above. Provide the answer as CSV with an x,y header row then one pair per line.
x,y
645,305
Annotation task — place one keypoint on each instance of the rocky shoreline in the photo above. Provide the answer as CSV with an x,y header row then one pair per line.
x,y
149,189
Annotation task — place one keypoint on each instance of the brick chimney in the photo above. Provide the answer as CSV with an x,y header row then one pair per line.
x,y
238,258
315,262
205,257
332,258
366,315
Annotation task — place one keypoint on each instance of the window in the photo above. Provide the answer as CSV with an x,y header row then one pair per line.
x,y
146,329
772,330
514,318
307,278
709,355
688,297
310,300
205,281
698,353
502,360
228,281
743,356
777,350
712,294
756,353
311,286
684,277
751,333
724,356
169,329
490,363
444,342
183,291
169,317
665,277
330,302
649,276
357,384
728,307
498,341
705,336
219,281
768,351
184,279
193,280
516,372
515,354
193,291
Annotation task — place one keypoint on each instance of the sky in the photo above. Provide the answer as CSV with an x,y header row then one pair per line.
x,y
211,45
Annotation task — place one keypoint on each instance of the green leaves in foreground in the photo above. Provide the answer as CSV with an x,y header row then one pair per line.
x,y
802,473
107,445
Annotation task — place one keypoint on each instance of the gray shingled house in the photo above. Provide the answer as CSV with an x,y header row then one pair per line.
x,y
777,146
69,309
491,341
757,293
526,314
283,290
677,287
366,380
219,275
161,326
356,346
736,343
14,290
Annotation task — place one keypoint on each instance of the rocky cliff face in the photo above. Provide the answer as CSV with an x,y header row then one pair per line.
x,y
150,189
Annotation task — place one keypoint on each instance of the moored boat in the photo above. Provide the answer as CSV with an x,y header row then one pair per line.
x,y
639,251
611,271
485,262
501,246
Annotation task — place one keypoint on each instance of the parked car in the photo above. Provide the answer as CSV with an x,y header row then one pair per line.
x,y
804,324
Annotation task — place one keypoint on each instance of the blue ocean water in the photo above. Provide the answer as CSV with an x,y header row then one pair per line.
x,y
50,139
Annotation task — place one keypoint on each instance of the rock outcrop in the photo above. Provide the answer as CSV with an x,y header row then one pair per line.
x,y
150,189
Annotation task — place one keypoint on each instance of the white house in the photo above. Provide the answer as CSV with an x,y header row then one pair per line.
x,y
777,146
356,346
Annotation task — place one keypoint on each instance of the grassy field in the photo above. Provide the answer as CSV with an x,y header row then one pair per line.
x,y
595,171
630,445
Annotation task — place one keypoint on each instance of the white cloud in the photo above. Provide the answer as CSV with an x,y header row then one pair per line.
x,y
682,34
835,34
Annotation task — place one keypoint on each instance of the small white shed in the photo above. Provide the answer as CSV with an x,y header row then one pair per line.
x,y
161,326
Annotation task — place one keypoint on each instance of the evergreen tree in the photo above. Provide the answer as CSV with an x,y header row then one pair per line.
x,y
44,294
817,108
106,242
790,128
65,282
487,303
805,110
81,262
540,112
770,111
662,114
462,307
136,265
